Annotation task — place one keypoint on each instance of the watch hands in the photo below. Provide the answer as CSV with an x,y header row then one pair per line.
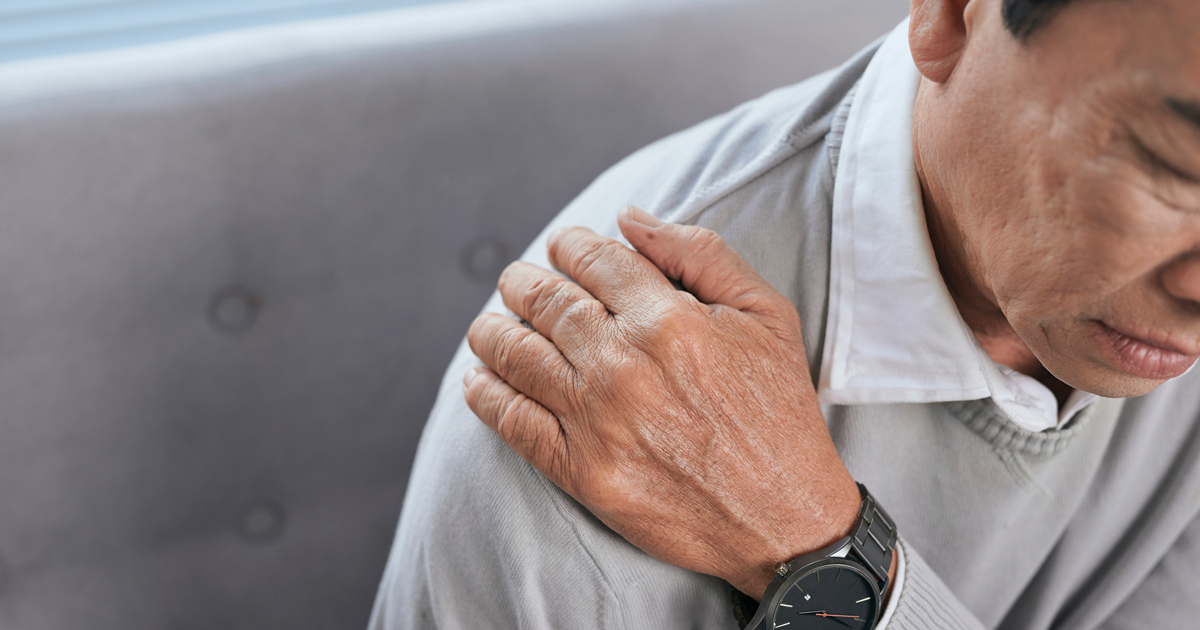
x,y
839,618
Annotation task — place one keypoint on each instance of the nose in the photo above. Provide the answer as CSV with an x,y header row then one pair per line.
x,y
1182,278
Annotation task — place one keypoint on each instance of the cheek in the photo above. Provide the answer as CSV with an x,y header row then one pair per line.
x,y
1121,234
1086,238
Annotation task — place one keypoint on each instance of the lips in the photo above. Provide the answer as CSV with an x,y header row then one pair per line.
x,y
1141,357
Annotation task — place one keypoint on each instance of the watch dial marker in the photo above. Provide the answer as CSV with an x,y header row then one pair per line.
x,y
812,602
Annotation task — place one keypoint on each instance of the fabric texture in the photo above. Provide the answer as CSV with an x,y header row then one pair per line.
x,y
1075,528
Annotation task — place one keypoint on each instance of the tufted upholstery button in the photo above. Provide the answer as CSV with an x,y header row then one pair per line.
x,y
484,258
233,309
262,522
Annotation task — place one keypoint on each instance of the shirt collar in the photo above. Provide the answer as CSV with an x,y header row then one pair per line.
x,y
893,333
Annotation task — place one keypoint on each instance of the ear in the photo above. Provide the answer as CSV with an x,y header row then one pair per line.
x,y
937,34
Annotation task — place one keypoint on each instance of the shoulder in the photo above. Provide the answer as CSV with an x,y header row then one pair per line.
x,y
484,539
680,176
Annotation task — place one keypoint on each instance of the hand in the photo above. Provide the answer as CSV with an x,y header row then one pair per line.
x,y
686,422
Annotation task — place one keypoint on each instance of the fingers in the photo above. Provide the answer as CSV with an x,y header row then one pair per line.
x,y
623,280
556,307
524,358
525,425
706,266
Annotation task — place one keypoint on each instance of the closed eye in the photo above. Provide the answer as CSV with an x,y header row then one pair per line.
x,y
1159,167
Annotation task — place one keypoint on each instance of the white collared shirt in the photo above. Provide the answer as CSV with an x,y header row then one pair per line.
x,y
893,333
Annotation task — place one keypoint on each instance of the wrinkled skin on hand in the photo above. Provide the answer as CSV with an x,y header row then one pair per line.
x,y
687,422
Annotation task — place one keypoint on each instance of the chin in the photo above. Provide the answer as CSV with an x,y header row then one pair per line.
x,y
1104,380
1095,358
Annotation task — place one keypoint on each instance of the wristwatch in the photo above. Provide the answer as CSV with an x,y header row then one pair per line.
x,y
835,588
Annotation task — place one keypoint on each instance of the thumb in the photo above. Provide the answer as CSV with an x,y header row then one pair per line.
x,y
703,263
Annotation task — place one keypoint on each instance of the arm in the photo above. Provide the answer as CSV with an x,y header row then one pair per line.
x,y
649,405
646,404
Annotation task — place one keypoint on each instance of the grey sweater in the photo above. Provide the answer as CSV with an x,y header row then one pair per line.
x,y
1091,526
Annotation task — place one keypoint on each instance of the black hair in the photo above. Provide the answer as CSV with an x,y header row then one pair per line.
x,y
1023,17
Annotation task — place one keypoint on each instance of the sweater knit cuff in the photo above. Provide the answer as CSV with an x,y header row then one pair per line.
x,y
925,602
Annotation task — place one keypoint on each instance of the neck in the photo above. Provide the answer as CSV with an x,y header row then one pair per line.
x,y
977,306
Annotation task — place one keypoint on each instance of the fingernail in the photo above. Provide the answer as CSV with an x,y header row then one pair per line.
x,y
643,217
470,376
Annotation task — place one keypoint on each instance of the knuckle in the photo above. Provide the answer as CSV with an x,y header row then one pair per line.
x,y
521,427
512,350
579,317
597,251
495,400
513,424
547,295
705,240
629,372
605,484
562,238
670,323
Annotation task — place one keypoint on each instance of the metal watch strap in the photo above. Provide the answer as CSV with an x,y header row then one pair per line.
x,y
873,538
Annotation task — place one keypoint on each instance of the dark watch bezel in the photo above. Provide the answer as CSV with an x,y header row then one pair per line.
x,y
779,587
809,569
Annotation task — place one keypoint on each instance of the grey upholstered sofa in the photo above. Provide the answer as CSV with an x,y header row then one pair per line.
x,y
232,271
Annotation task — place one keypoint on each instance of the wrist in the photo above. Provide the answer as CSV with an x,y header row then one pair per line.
x,y
866,559
811,528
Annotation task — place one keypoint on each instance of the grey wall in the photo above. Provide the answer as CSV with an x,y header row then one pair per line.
x,y
232,272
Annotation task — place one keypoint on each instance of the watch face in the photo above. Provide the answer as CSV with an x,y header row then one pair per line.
x,y
834,596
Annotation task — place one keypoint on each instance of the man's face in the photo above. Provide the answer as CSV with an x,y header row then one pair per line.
x,y
1069,168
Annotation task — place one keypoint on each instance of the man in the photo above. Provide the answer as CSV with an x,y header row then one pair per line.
x,y
977,238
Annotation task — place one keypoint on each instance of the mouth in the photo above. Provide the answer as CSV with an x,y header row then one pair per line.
x,y
1150,359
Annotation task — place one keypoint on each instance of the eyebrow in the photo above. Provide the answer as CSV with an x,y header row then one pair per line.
x,y
1188,110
